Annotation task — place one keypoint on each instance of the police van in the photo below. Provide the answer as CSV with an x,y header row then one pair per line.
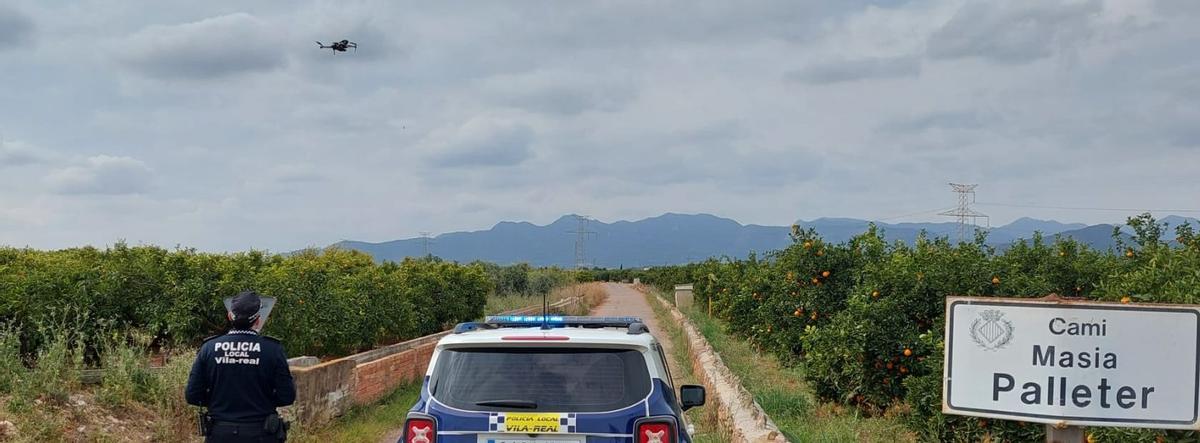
x,y
550,379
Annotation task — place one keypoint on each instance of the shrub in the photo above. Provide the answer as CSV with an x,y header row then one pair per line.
x,y
11,368
127,377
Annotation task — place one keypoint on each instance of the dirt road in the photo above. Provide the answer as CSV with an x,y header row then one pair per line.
x,y
624,300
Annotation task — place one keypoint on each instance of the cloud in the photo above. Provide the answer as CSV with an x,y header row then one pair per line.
x,y
291,174
15,153
15,28
560,93
211,48
1178,7
945,120
482,142
1013,31
857,69
102,175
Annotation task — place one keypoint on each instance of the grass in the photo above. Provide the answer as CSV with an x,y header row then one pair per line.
x,y
367,423
46,402
785,396
704,418
502,303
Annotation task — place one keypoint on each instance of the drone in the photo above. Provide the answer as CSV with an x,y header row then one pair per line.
x,y
339,46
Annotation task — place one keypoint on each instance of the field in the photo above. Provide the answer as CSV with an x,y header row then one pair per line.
x,y
140,312
861,322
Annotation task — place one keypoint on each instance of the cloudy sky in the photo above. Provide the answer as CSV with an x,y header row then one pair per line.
x,y
220,125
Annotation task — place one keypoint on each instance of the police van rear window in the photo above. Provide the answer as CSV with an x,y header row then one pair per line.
x,y
525,379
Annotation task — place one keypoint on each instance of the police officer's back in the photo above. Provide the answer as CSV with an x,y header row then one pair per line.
x,y
241,377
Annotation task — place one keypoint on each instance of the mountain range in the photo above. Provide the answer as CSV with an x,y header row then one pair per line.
x,y
680,238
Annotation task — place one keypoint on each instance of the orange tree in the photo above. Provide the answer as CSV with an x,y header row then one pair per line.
x,y
1152,267
331,302
1027,268
810,282
867,350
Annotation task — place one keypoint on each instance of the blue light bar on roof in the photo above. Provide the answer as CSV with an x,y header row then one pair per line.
x,y
560,320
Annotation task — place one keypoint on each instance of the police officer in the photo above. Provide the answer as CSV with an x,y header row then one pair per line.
x,y
241,377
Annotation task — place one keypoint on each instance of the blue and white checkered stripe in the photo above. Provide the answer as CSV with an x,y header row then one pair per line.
x,y
496,422
567,421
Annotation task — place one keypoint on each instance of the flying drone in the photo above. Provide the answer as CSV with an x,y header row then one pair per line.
x,y
339,46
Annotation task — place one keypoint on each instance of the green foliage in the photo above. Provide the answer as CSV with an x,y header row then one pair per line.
x,y
865,318
331,302
522,279
11,368
127,377
55,372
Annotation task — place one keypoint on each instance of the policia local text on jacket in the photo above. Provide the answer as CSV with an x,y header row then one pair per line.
x,y
241,377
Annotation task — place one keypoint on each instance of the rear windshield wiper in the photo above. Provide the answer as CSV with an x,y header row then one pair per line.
x,y
523,404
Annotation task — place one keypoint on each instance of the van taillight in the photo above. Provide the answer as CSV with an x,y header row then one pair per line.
x,y
656,432
420,430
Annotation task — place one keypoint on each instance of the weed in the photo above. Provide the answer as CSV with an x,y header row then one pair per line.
x,y
11,368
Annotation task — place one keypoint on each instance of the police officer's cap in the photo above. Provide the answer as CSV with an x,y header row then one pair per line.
x,y
245,305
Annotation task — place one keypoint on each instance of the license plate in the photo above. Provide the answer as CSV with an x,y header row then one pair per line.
x,y
507,439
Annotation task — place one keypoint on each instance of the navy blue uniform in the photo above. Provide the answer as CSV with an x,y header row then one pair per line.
x,y
241,377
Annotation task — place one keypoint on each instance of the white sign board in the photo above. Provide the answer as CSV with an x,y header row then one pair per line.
x,y
1084,364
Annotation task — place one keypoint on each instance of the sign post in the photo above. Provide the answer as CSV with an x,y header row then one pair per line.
x,y
1070,364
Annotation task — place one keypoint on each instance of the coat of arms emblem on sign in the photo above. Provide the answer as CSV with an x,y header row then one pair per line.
x,y
991,331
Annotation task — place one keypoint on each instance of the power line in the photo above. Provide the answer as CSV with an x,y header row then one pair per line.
x,y
966,196
1080,208
931,211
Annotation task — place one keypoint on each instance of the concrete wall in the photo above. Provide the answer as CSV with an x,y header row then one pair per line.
x,y
736,409
327,390
683,296
323,391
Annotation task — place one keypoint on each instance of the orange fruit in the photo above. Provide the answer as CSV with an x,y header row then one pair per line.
x,y
1062,254
820,252
995,280
814,280
875,293
903,370
807,244
797,313
907,352
813,316
1126,299
1129,253
890,365
825,274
